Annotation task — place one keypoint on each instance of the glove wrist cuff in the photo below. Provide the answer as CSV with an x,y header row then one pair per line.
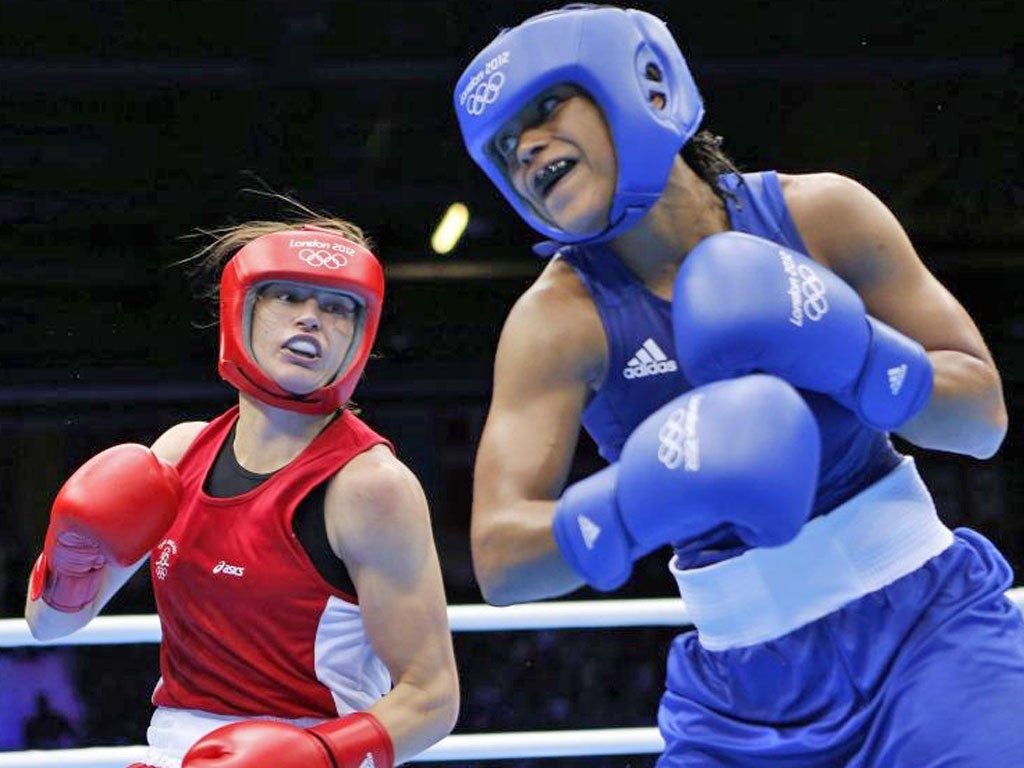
x,y
67,593
896,381
589,532
355,740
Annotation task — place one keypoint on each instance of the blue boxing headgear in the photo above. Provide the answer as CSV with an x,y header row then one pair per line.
x,y
621,58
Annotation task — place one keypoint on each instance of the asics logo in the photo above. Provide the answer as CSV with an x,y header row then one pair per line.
x,y
321,258
678,441
806,291
485,93
229,570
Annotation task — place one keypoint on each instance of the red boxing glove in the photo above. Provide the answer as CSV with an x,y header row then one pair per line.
x,y
353,741
115,506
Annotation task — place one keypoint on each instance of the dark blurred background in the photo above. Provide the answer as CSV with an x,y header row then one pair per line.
x,y
125,126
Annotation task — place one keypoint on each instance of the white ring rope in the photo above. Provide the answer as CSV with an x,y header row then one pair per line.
x,y
462,618
669,612
474,746
581,614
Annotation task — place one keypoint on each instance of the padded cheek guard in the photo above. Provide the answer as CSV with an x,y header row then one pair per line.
x,y
309,256
623,59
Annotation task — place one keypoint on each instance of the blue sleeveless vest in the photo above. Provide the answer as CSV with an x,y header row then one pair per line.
x,y
643,374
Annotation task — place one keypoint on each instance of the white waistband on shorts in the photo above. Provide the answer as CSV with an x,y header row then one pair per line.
x,y
172,732
883,533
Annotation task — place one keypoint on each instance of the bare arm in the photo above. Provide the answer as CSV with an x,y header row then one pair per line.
x,y
378,523
852,232
45,622
551,347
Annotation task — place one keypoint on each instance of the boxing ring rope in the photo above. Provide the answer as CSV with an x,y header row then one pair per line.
x,y
462,618
582,614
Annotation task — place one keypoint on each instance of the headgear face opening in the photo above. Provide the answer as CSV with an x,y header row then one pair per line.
x,y
626,61
308,256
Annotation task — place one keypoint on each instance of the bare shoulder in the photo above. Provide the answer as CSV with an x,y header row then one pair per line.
x,y
377,480
173,443
846,226
375,503
827,201
555,327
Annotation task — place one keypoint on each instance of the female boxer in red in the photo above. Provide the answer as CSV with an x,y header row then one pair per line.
x,y
295,575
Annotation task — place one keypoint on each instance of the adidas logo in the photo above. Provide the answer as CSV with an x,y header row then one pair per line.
x,y
896,377
368,762
589,529
649,360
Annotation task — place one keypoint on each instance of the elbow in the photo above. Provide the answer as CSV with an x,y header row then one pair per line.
x,y
490,586
493,580
496,593
992,428
970,421
516,560
507,586
993,419
439,704
991,440
449,709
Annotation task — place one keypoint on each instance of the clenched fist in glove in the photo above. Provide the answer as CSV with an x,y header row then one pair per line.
x,y
353,741
115,507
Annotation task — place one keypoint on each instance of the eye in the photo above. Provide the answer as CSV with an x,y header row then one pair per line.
x,y
278,293
342,306
548,105
506,145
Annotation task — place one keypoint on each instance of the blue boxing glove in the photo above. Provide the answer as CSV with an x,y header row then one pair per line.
x,y
741,454
743,304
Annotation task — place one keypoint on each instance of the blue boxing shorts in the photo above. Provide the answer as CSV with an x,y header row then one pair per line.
x,y
875,639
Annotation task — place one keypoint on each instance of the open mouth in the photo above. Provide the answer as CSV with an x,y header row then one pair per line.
x,y
548,176
303,347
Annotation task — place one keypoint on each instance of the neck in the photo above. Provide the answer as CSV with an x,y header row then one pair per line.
x,y
267,438
687,212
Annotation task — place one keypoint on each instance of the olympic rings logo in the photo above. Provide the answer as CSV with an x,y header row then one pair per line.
x,y
670,439
322,258
485,93
815,304
678,442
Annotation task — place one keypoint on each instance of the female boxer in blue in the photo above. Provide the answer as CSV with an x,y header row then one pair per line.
x,y
740,347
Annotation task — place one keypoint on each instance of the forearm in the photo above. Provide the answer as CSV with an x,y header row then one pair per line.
x,y
966,413
418,716
515,558
47,623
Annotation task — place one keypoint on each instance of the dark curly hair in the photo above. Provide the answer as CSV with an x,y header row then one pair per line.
x,y
704,154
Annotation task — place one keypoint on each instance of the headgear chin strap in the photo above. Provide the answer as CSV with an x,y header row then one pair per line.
x,y
310,256
623,59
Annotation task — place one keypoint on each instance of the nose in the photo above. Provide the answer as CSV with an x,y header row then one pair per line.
x,y
309,314
531,141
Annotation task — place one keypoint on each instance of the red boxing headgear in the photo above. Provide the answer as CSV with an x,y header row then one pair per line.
x,y
310,256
